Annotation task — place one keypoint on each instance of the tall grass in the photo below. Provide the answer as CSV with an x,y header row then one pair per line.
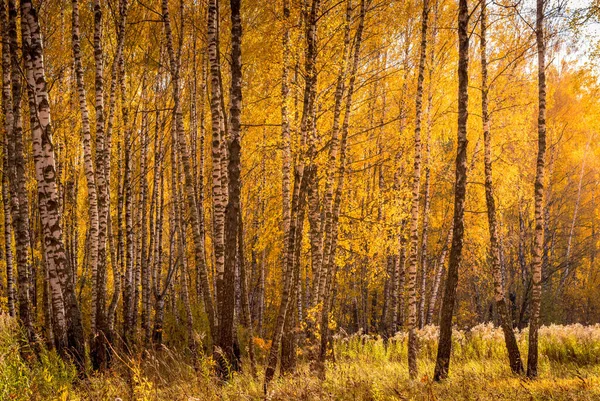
x,y
365,368
576,344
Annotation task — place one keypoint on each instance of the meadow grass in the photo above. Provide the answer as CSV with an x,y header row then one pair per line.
x,y
365,368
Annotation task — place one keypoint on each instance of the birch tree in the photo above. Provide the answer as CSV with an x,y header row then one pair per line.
x,y
44,159
414,227
512,347
538,243
445,340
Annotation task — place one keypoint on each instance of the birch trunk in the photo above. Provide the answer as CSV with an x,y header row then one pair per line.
x,y
16,163
298,203
44,159
285,125
538,243
331,266
8,233
129,299
425,228
320,274
8,175
174,62
437,279
218,137
414,226
116,262
233,217
445,340
88,163
99,351
290,332
245,301
512,347
143,226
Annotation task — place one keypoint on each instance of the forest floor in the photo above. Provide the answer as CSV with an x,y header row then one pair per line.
x,y
364,369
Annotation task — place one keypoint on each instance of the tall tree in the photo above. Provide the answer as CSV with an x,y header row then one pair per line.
x,y
286,159
512,347
105,156
414,211
320,275
538,243
174,62
16,168
218,139
88,162
445,341
44,158
329,263
7,169
233,216
301,177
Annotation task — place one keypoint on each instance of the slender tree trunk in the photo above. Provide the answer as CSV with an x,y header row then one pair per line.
x,y
117,260
538,243
414,227
330,269
285,125
159,303
512,347
437,279
10,289
8,175
99,350
301,177
226,281
397,285
88,164
174,62
245,301
143,227
425,229
427,201
290,334
218,137
199,169
445,340
44,159
320,275
16,164
567,269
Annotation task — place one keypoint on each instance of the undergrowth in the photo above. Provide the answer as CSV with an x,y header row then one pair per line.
x,y
365,368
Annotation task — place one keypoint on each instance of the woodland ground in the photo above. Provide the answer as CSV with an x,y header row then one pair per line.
x,y
364,369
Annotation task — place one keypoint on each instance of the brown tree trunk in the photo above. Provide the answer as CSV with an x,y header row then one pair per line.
x,y
16,164
8,176
445,341
233,217
512,347
538,243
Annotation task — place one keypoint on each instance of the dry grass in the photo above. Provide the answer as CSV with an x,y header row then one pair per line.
x,y
365,369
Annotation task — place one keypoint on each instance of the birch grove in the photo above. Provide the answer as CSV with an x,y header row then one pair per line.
x,y
260,187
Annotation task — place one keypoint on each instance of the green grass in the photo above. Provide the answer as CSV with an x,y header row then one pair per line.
x,y
365,369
